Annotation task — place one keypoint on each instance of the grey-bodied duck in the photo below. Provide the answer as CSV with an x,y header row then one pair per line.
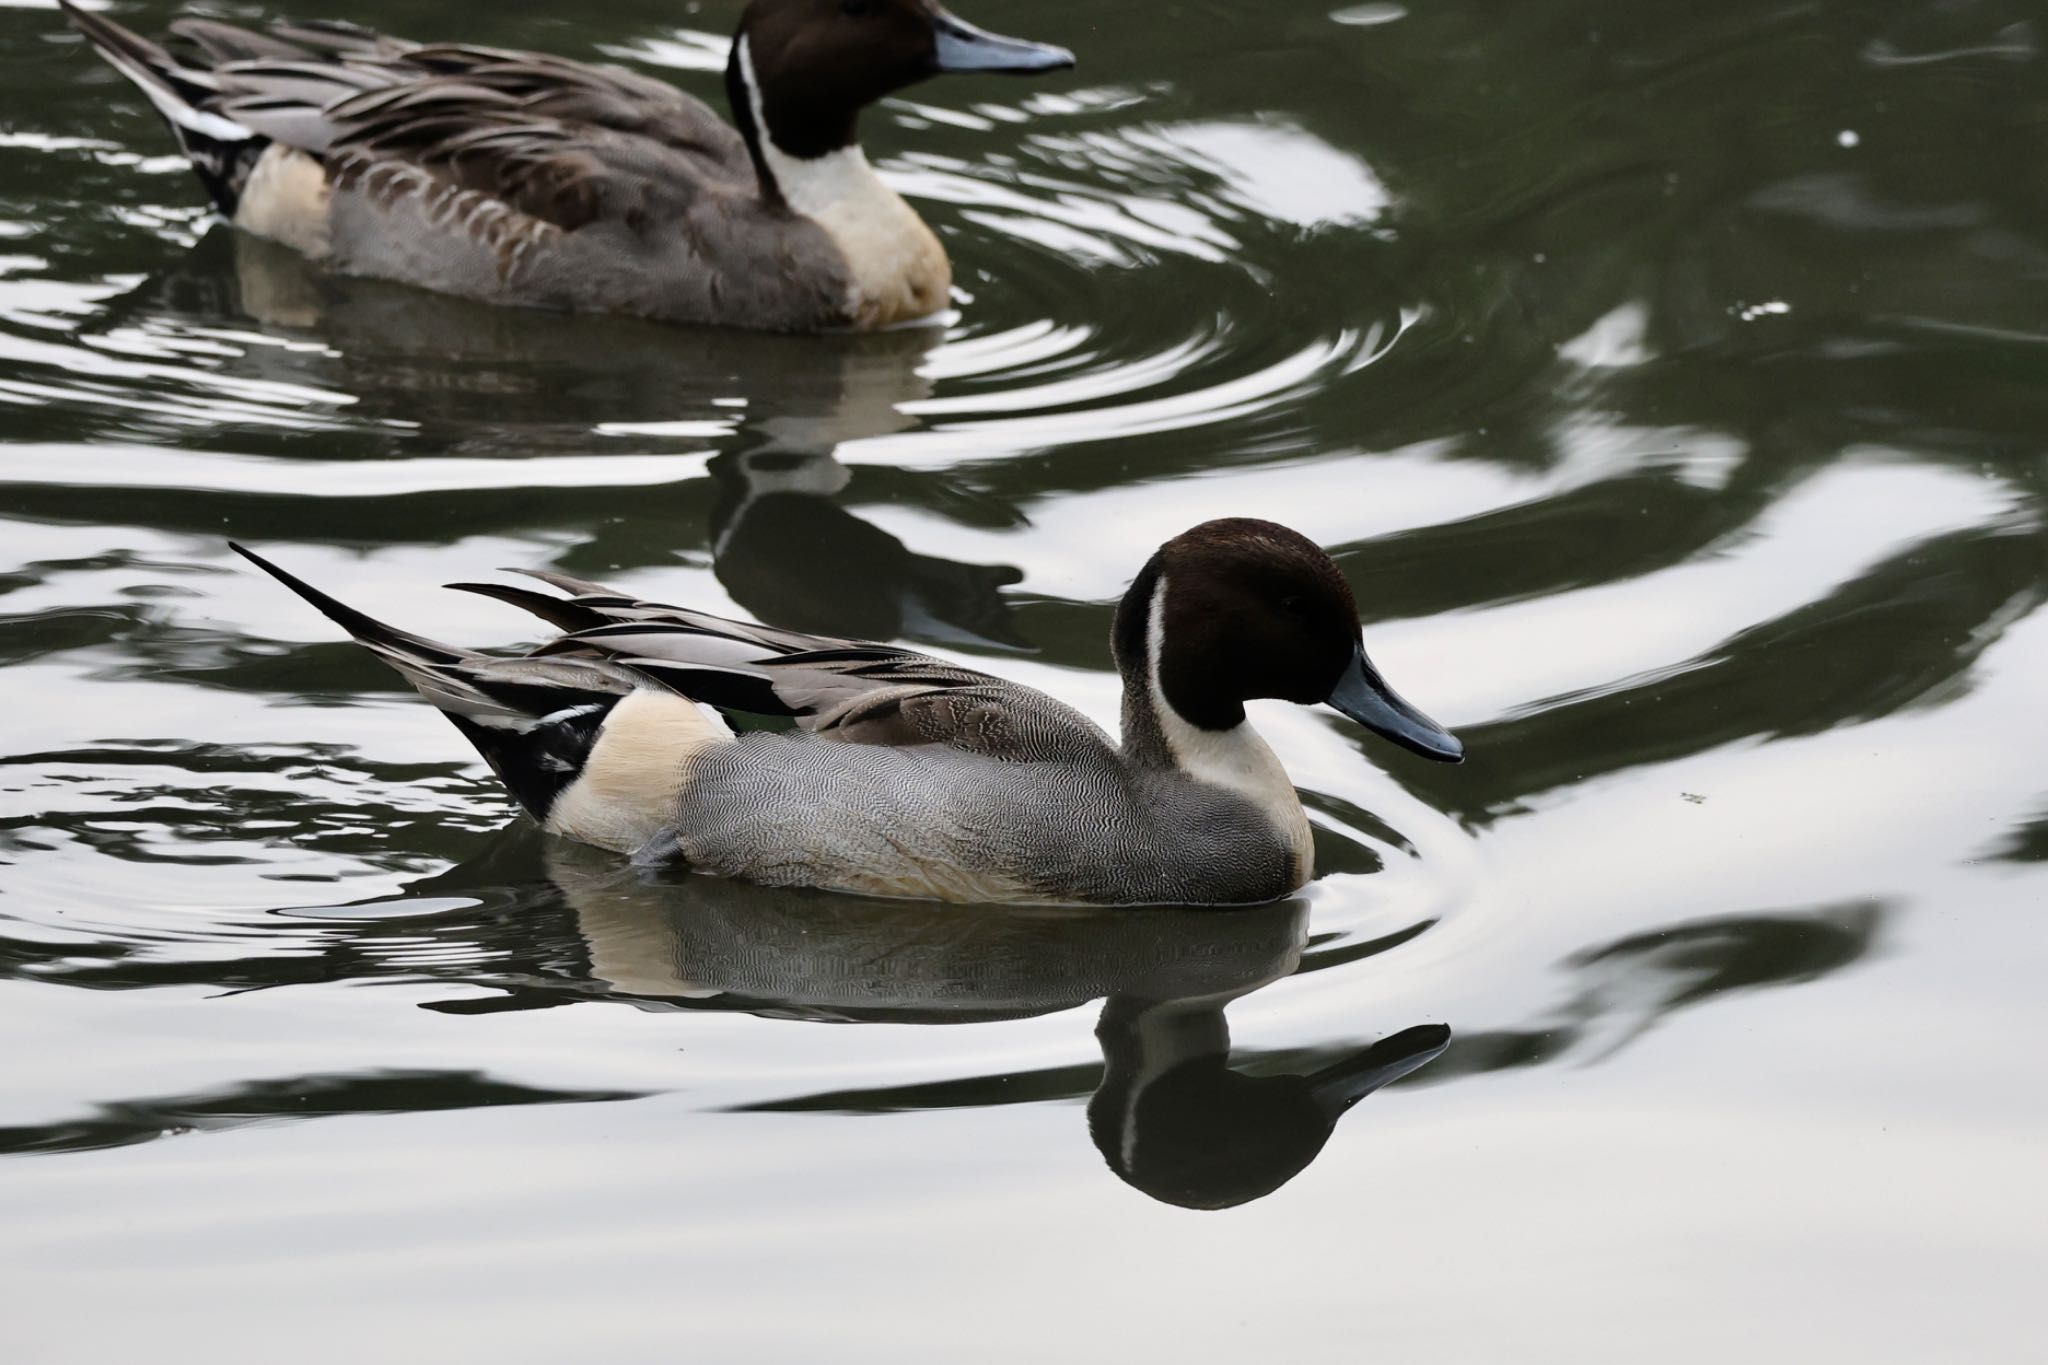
x,y
904,774
528,179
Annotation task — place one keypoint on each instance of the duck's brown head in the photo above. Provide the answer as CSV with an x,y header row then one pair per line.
x,y
1238,609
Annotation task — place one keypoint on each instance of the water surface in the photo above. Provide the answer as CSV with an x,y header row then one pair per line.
x,y
1672,385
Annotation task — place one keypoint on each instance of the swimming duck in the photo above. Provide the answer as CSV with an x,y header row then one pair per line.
x,y
909,775
522,178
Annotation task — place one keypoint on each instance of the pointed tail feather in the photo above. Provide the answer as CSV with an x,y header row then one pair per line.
x,y
443,674
123,47
366,629
560,612
504,693
534,721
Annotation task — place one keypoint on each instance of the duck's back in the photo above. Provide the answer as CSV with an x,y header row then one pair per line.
x,y
518,178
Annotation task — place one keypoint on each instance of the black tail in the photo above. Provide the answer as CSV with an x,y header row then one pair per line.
x,y
223,152
398,647
534,721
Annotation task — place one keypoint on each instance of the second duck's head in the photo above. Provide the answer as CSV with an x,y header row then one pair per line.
x,y
1237,610
810,66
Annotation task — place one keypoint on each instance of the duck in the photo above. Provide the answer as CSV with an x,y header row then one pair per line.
x,y
678,738
527,179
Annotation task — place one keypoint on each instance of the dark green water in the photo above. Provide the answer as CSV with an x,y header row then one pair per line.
x,y
1670,380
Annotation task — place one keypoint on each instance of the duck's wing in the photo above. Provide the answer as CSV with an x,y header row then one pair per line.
x,y
561,141
346,85
852,691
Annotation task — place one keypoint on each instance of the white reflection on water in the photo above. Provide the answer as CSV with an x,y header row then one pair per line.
x,y
1819,536
193,470
1229,399
1275,169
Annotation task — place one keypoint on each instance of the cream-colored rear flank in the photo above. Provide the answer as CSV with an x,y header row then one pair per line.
x,y
286,200
627,792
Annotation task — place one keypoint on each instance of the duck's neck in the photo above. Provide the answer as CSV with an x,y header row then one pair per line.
x,y
897,269
1156,734
1143,1043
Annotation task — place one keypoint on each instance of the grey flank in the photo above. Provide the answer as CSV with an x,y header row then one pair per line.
x,y
789,810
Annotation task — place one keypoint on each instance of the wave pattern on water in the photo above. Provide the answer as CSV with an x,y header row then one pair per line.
x,y
1670,392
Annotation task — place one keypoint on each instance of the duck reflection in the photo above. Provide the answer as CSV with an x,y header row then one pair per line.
x,y
456,375
458,371
1172,1119
793,556
1170,1115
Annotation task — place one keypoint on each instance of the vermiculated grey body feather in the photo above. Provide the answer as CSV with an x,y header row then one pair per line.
x,y
791,811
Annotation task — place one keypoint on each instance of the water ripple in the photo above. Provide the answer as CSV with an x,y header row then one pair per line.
x,y
1669,394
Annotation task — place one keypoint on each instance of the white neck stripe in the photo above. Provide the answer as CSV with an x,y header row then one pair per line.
x,y
1236,759
755,110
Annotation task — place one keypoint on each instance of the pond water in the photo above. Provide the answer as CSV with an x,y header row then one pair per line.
x,y
1671,383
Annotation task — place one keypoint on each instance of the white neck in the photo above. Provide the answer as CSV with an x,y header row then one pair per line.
x,y
899,269
1236,759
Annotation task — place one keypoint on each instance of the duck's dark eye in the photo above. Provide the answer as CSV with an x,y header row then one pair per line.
x,y
856,8
1293,604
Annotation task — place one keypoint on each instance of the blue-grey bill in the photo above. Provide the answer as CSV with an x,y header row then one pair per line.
x,y
1363,695
963,47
